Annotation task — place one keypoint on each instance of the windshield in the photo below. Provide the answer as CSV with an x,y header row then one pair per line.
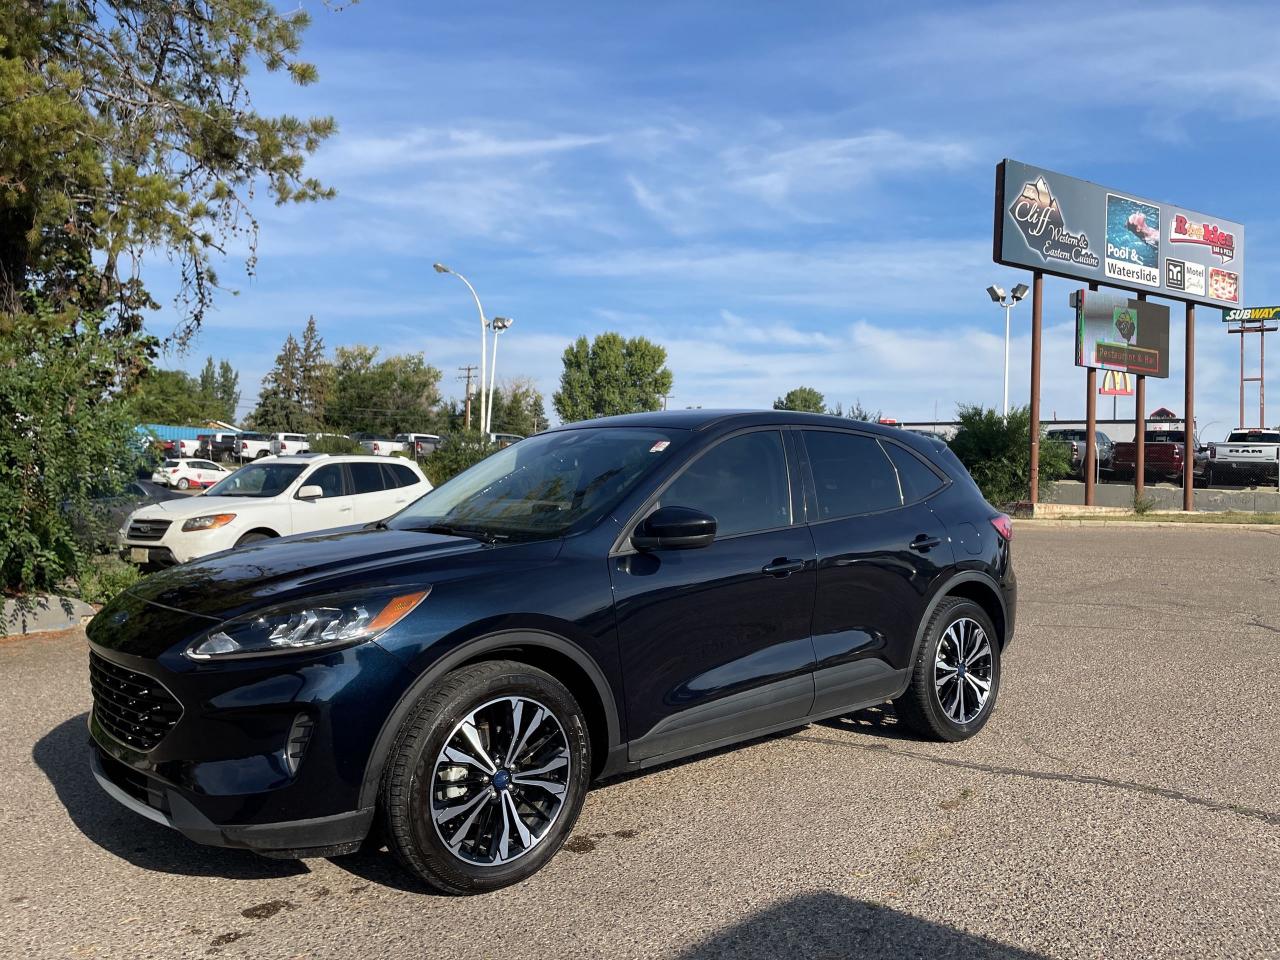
x,y
546,486
258,480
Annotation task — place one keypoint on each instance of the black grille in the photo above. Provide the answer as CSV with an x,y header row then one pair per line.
x,y
135,709
147,529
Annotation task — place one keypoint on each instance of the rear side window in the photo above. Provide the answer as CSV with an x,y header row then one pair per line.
x,y
917,480
367,477
742,482
398,475
851,473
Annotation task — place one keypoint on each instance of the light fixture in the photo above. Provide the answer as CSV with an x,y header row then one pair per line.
x,y
994,292
441,268
1020,291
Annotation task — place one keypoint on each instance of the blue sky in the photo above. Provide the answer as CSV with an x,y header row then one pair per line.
x,y
780,194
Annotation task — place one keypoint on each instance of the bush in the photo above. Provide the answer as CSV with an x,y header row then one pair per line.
x,y
335,445
65,435
456,453
996,452
103,578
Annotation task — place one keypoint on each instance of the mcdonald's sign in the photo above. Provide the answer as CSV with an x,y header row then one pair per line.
x,y
1116,383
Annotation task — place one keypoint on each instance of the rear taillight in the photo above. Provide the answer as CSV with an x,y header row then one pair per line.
x,y
284,447
376,448
175,469
1213,453
1003,525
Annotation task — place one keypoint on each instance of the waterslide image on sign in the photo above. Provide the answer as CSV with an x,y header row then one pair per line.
x,y
1133,241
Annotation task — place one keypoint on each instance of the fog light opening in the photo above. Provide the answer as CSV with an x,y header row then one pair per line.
x,y
299,737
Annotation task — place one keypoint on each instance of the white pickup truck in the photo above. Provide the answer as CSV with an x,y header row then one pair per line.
x,y
1246,457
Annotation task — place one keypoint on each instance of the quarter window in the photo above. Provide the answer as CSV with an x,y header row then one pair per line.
x,y
742,482
398,475
851,474
917,480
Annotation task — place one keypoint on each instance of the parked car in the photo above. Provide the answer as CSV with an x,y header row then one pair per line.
x,y
1246,456
505,439
186,473
384,446
1163,456
254,446
418,444
278,497
603,597
1077,439
98,520
221,447
286,443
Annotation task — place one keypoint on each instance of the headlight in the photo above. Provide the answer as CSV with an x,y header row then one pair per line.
x,y
335,621
208,522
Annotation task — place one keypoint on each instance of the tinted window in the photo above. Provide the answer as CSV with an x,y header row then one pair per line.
x,y
742,482
917,480
398,475
204,465
330,480
367,477
851,473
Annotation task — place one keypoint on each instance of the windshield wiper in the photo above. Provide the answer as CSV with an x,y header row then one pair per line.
x,y
471,533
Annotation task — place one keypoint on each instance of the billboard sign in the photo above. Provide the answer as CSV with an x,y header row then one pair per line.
x,y
1073,228
1116,332
1251,315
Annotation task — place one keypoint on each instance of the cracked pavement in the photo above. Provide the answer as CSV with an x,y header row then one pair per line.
x,y
1123,801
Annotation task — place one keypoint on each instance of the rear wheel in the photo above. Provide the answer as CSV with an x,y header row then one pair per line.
x,y
183,483
956,676
486,777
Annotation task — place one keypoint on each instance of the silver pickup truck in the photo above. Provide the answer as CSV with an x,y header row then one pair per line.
x,y
1246,457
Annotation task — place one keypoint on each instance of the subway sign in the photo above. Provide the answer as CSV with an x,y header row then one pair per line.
x,y
1250,314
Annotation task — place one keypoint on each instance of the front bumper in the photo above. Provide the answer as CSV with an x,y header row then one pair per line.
x,y
232,771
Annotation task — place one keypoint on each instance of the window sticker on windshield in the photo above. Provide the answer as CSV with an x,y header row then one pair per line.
x,y
660,446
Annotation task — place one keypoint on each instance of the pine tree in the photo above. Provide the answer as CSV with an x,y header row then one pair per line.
x,y
279,407
315,374
227,391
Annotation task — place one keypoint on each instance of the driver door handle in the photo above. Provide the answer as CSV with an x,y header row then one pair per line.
x,y
783,567
924,543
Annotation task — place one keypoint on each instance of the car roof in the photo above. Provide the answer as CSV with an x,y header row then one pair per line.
x,y
305,458
700,420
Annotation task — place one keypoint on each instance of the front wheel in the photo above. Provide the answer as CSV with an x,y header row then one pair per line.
x,y
956,675
486,777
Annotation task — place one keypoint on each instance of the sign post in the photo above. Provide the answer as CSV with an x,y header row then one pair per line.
x,y
1259,320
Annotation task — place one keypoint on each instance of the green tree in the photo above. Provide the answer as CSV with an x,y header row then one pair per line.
x,y
315,374
128,131
395,395
227,391
68,435
518,408
279,402
805,399
173,397
859,412
996,450
611,375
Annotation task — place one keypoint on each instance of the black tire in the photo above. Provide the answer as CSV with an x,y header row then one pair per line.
x,y
183,483
252,537
409,779
260,454
921,707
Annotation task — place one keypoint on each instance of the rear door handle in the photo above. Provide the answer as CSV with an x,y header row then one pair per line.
x,y
783,567
924,543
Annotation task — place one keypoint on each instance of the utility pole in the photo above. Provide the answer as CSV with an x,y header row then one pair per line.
x,y
468,372
665,398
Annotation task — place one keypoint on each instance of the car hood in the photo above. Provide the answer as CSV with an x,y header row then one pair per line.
x,y
176,603
180,508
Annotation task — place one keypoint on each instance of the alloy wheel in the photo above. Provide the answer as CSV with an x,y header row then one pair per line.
x,y
500,781
962,670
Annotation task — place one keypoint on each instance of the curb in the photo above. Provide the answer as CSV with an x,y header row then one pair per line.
x,y
1273,529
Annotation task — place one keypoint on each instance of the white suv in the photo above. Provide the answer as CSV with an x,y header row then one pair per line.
x,y
272,498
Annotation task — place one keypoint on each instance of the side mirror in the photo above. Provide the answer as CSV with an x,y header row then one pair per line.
x,y
312,491
675,528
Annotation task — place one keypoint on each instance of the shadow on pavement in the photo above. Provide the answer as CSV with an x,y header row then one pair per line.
x,y
826,926
62,754
878,721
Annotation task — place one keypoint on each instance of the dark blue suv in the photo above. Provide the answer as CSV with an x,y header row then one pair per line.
x,y
603,597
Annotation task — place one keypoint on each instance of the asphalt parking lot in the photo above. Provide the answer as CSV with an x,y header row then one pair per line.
x,y
1123,802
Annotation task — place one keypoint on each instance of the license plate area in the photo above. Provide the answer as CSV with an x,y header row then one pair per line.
x,y
139,554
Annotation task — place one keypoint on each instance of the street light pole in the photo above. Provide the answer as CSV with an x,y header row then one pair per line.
x,y
499,324
998,297
441,268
